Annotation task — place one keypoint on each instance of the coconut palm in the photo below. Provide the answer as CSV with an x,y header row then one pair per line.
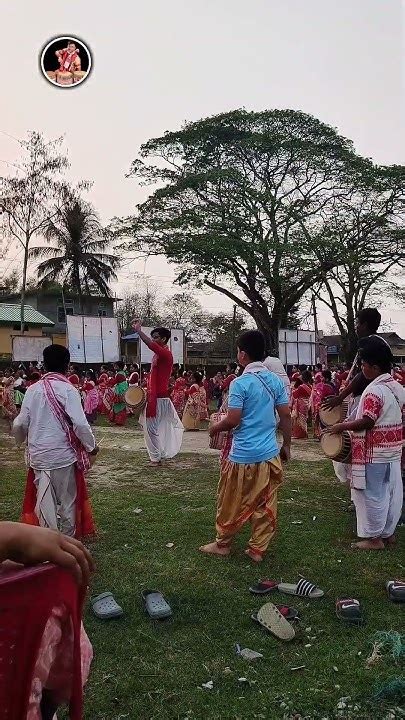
x,y
77,259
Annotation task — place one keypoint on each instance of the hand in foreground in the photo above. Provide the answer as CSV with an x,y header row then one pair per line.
x,y
136,325
285,453
213,430
334,429
331,402
32,545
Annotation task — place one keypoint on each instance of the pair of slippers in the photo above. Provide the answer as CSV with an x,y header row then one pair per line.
x,y
303,588
350,610
105,607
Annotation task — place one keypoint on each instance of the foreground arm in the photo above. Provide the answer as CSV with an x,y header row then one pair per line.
x,y
364,423
230,421
31,545
353,387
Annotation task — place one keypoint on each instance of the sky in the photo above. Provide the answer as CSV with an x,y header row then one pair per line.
x,y
159,63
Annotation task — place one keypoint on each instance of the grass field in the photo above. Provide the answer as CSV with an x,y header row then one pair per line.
x,y
143,670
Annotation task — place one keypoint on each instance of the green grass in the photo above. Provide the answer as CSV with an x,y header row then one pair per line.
x,y
143,670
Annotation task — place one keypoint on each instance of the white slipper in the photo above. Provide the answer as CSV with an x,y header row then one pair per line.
x,y
303,588
271,618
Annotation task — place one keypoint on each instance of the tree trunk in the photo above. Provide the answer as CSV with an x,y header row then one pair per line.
x,y
269,326
349,346
24,283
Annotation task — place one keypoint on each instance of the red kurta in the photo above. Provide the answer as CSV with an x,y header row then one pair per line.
x,y
158,381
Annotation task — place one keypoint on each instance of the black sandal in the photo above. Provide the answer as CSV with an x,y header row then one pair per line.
x,y
396,590
349,610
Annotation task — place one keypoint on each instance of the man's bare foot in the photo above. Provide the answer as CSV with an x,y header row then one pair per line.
x,y
214,549
370,544
391,540
152,463
256,557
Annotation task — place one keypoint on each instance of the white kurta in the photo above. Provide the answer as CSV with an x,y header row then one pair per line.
x,y
49,453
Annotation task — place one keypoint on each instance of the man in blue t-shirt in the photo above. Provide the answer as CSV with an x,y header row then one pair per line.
x,y
252,474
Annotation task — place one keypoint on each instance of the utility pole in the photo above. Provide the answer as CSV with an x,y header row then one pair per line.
x,y
315,326
233,333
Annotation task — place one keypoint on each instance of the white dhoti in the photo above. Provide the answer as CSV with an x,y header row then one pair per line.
x,y
379,505
163,433
56,499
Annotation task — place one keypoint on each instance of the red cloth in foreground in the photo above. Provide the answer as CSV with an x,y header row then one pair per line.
x,y
85,526
27,600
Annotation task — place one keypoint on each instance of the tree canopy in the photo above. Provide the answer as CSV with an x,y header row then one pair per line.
x,y
245,205
79,257
31,195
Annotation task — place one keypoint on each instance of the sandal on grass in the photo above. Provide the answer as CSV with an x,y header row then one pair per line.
x,y
263,587
271,618
155,605
105,607
349,610
303,588
288,613
396,590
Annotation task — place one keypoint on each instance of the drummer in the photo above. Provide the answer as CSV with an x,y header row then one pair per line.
x,y
68,58
376,430
367,323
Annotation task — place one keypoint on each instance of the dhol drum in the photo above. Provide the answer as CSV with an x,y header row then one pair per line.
x,y
333,416
78,75
52,75
64,78
217,440
337,447
135,398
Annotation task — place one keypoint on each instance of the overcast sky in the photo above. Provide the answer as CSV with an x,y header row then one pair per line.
x,y
158,63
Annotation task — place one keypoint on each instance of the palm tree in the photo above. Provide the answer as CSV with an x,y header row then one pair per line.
x,y
77,258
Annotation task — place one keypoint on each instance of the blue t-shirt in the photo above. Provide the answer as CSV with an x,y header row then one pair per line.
x,y
255,440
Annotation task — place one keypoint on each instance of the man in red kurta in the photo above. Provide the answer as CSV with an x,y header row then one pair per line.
x,y
163,431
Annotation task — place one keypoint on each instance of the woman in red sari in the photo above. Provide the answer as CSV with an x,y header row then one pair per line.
x,y
178,395
300,400
321,389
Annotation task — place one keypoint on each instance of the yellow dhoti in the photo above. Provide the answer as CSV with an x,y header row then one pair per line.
x,y
248,492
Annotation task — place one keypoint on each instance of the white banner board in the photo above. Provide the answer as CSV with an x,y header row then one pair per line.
x,y
28,349
93,339
176,344
297,347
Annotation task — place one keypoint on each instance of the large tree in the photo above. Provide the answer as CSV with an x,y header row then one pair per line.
x,y
144,303
32,195
183,310
370,230
243,206
78,259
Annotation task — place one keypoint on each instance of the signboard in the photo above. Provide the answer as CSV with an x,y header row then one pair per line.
x,y
28,349
93,339
298,347
176,345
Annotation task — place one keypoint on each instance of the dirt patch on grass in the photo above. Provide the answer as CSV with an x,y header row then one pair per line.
x,y
131,440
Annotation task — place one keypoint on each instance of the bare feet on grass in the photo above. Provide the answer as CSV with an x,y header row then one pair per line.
x,y
256,557
369,544
214,549
391,540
